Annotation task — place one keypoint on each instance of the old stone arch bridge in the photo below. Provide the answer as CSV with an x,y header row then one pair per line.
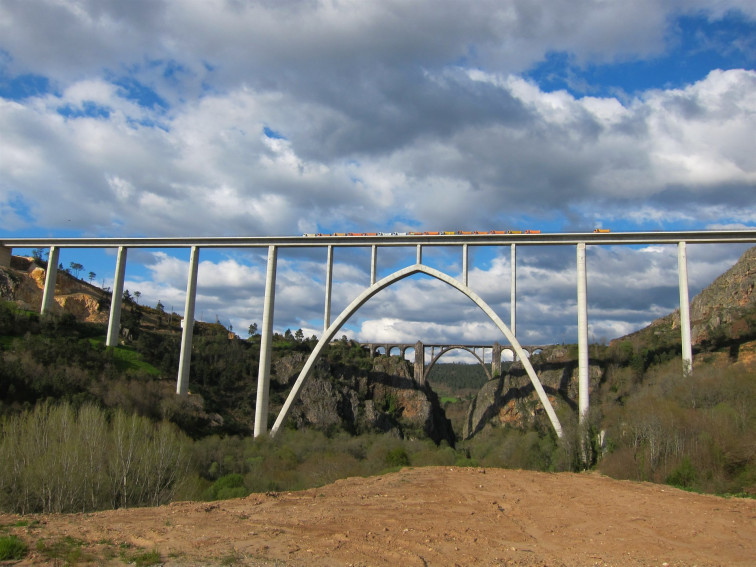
x,y
577,240
420,350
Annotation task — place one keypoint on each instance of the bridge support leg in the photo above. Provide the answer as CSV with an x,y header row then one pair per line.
x,y
48,296
682,276
513,293
464,264
496,360
329,285
419,363
582,304
185,358
5,256
266,344
373,264
114,320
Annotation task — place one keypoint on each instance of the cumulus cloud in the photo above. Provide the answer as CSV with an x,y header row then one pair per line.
x,y
172,118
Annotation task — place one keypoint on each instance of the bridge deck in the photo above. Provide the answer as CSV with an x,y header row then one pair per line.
x,y
701,236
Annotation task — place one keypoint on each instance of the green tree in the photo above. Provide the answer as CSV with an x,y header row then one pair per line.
x,y
92,276
252,330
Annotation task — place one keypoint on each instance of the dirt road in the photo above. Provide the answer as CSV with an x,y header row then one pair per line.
x,y
425,516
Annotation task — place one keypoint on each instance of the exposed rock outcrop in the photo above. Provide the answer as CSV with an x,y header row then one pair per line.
x,y
384,398
24,284
511,399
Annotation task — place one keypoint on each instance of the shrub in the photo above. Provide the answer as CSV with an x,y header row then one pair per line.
x,y
397,457
229,486
684,475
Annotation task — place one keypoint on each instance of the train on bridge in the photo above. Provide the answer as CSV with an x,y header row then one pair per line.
x,y
432,233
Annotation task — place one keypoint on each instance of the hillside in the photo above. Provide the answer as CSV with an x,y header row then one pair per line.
x,y
723,314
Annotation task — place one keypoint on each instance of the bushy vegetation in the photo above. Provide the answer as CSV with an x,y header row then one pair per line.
x,y
696,432
55,458
294,460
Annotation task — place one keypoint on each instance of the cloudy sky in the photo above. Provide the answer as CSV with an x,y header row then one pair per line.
x,y
255,118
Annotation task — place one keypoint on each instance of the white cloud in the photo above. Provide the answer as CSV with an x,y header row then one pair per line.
x,y
395,115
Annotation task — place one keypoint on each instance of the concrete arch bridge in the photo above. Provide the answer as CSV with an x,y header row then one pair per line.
x,y
578,241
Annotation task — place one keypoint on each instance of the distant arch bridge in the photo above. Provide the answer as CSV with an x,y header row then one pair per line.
x,y
419,348
374,242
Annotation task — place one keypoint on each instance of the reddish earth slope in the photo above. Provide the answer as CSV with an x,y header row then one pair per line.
x,y
426,516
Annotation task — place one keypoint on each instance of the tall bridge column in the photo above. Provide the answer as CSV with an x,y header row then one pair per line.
x,y
48,296
373,263
185,358
116,300
513,291
464,263
496,360
582,305
329,285
266,345
419,363
682,276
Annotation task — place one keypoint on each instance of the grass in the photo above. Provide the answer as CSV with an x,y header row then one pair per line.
x,y
67,549
127,358
12,548
144,558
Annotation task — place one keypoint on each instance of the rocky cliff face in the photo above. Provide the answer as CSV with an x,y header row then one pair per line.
x,y
726,303
24,284
511,399
384,398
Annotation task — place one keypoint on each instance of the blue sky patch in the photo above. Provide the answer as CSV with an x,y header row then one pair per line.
x,y
695,47
272,134
131,89
88,109
23,86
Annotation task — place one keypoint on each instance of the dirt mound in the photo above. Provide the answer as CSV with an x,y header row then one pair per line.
x,y
426,516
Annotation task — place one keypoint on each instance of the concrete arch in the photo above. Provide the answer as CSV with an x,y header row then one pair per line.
x,y
444,351
361,299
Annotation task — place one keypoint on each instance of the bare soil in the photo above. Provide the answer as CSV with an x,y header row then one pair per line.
x,y
424,516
